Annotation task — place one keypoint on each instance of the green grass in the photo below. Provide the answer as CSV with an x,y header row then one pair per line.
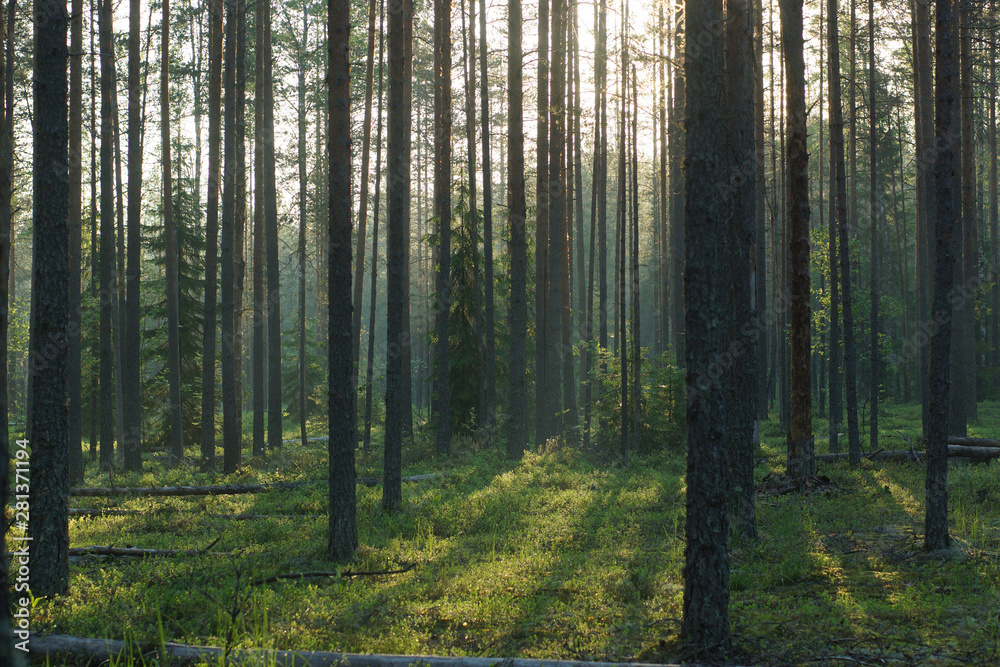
x,y
560,555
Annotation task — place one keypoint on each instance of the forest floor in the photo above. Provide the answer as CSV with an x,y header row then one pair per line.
x,y
562,555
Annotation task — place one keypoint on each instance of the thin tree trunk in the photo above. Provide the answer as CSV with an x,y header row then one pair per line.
x,y
176,435
836,414
517,390
231,421
489,306
620,245
108,289
131,367
924,98
303,198
76,465
760,249
6,628
261,312
678,186
366,141
543,385
970,225
873,222
994,321
636,304
442,208
369,373
274,402
568,411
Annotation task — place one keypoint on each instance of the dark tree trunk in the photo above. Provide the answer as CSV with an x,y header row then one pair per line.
x,y
489,316
366,141
215,12
231,419
760,249
109,290
556,221
48,424
303,200
176,435
924,132
369,373
601,178
543,429
969,271
741,227
343,520
442,208
800,441
620,246
6,629
260,306
274,402
836,162
131,385
400,30
678,187
705,626
994,321
517,391
76,467
634,315
873,222
936,517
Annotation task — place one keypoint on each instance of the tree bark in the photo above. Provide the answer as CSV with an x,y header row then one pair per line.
x,y
6,628
48,424
556,220
678,186
76,466
800,441
489,308
705,625
543,429
442,210
176,435
108,288
131,367
400,30
741,226
517,390
343,537
873,223
836,164
261,312
936,486
303,199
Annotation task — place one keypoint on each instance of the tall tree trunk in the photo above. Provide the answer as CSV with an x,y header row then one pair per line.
x,y
936,487
837,151
836,158
240,192
601,179
705,625
215,12
489,308
678,186
261,312
994,321
131,367
741,227
852,137
557,221
176,435
369,373
442,207
969,272
343,536
760,249
274,402
109,290
48,424
873,222
543,428
303,199
621,340
398,198
76,466
664,218
636,304
517,398
231,420
93,390
800,442
589,350
925,151
366,142
6,628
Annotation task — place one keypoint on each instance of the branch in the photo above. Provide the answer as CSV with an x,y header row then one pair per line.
x,y
318,575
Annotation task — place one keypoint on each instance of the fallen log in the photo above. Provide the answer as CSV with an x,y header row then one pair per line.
x,y
973,442
223,489
325,575
108,650
142,553
954,451
232,517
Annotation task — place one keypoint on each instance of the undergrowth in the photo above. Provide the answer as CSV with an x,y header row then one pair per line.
x,y
560,555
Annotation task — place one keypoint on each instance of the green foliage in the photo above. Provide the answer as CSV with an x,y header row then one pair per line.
x,y
662,390
190,282
315,361
551,557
